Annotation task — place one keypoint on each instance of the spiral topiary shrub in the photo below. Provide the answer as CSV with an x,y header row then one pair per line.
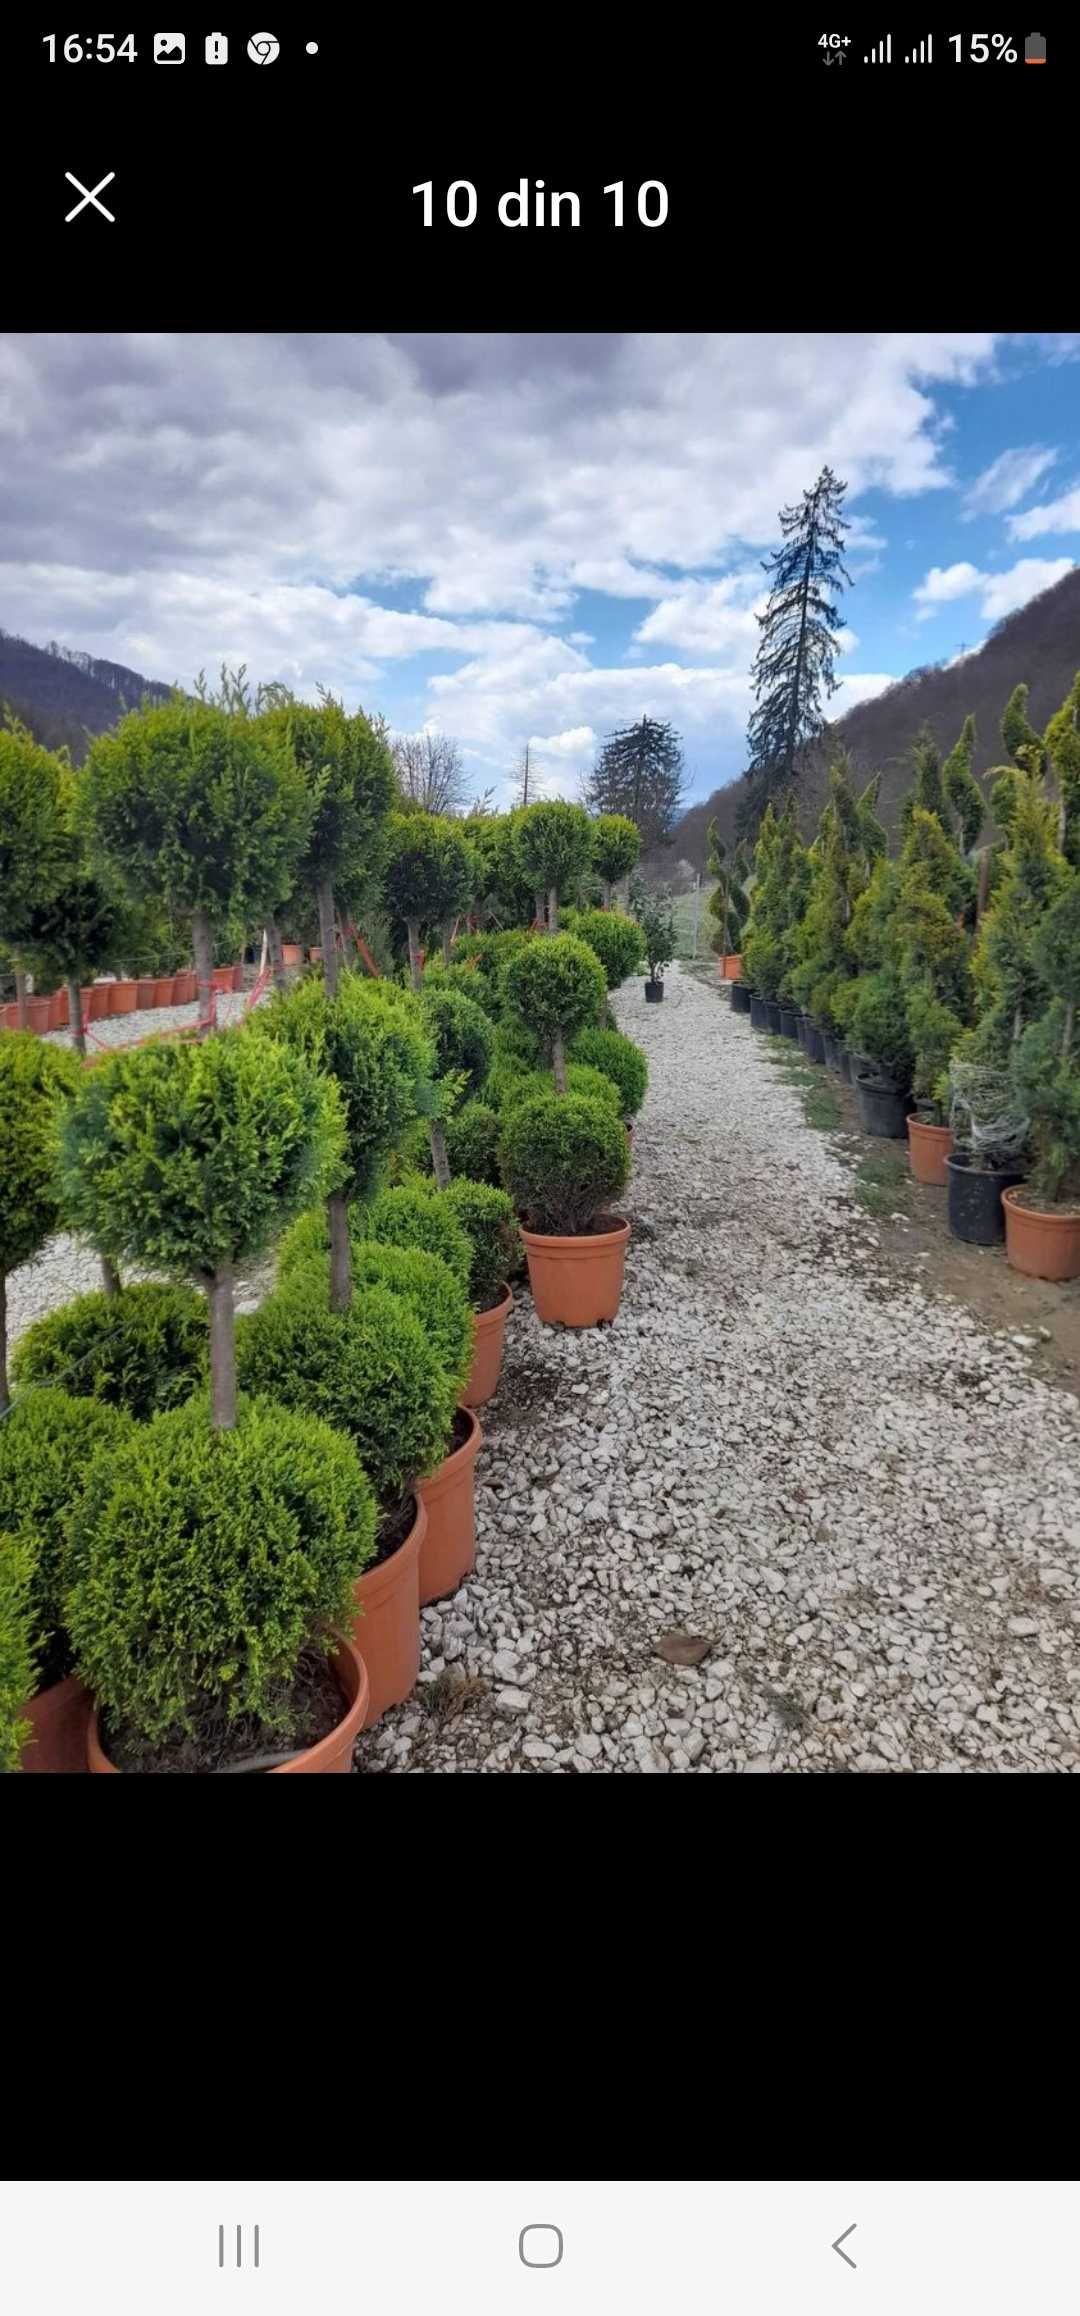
x,y
487,1218
412,1215
202,1565
554,987
143,1349
422,1280
18,1674
565,1159
619,1059
48,1442
617,940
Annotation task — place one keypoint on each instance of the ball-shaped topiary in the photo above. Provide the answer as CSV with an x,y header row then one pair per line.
x,y
472,1140
565,1157
553,842
47,1442
33,1079
143,1349
412,1215
201,1566
620,1060
580,1079
371,1371
373,1038
554,987
460,1033
487,1218
18,1674
487,955
616,847
423,1281
429,872
617,940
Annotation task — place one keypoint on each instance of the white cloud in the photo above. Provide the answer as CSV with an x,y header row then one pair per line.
x,y
1008,480
714,618
1061,514
999,591
944,586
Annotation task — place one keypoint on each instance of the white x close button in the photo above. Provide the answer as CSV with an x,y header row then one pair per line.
x,y
89,200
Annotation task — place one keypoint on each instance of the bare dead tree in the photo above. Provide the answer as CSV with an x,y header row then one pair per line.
x,y
430,770
528,782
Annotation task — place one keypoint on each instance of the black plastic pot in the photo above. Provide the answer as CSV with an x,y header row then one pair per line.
x,y
832,1050
759,1011
654,991
740,997
881,1109
789,1021
813,1043
844,1063
772,1009
976,1213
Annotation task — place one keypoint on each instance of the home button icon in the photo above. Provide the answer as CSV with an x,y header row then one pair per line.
x,y
540,2246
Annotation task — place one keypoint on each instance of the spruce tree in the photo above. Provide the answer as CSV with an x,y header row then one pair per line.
x,y
640,775
794,663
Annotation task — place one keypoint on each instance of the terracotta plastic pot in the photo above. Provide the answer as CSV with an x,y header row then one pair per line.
x,y
38,1011
976,1213
238,975
928,1149
387,1631
164,989
58,1009
733,965
11,1017
489,1332
185,988
741,999
144,987
654,992
315,956
759,1011
59,1718
331,1757
1039,1242
123,996
448,1551
576,1282
223,979
291,953
96,1001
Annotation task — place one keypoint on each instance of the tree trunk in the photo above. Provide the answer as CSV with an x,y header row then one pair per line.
x,y
327,935
558,1062
447,936
110,1276
22,996
4,1399
413,930
203,951
219,1296
539,911
337,1215
439,1159
277,958
74,997
553,909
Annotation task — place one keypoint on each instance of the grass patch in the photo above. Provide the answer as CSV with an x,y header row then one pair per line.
x,y
881,1182
821,1104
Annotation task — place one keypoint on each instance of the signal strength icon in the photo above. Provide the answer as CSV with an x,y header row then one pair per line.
x,y
882,54
924,53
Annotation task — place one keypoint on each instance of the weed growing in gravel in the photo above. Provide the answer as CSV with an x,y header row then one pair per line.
x,y
821,1107
881,1181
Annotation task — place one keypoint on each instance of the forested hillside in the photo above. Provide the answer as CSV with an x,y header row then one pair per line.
x,y
65,697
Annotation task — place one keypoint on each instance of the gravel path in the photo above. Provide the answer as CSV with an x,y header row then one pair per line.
x,y
864,1500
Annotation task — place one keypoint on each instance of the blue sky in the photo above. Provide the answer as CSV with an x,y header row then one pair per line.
x,y
525,538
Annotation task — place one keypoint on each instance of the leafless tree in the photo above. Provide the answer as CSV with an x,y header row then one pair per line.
x,y
430,770
528,782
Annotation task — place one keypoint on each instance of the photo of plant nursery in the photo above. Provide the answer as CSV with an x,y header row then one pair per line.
x,y
539,1054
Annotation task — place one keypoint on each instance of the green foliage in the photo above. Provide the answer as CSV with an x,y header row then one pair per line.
x,y
199,804
656,918
639,773
793,669
489,954
871,1014
565,1158
423,1280
202,1564
728,901
183,1157
374,1039
503,893
1011,989
372,1371
617,940
1062,738
554,846
33,829
962,790
143,1349
620,1060
472,1136
413,1215
429,868
554,986
347,777
781,888
487,1218
1046,1060
47,1443
1020,737
17,1654
616,847
581,1078
464,979
461,1034
33,1080
77,932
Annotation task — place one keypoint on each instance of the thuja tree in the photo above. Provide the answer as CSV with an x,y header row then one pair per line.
x,y
188,1159
33,1079
75,935
430,876
1063,748
347,775
1046,1059
616,850
463,1038
1009,981
200,806
554,847
777,902
933,952
33,839
728,901
372,1040
554,988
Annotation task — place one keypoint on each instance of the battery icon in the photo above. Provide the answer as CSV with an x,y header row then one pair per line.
x,y
1035,48
217,48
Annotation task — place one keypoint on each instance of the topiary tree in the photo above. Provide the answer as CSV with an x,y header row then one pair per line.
x,y
620,1060
33,1079
657,920
203,806
75,934
580,1079
202,1567
781,885
487,1218
565,1158
462,1038
430,874
933,953
347,774
188,1159
472,1136
617,940
616,850
143,1350
554,988
373,1040
17,1655
48,1441
412,1215
424,1281
1046,1059
728,901
33,839
554,847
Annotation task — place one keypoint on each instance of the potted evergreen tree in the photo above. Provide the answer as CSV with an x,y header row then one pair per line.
x,y
616,850
1042,1217
553,842
657,921
936,898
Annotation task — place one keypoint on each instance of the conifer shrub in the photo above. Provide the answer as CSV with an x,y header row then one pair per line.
x,y
202,1565
553,843
371,1371
472,1138
565,1158
18,1674
422,1280
461,1035
581,1078
34,1078
412,1215
1046,1059
48,1444
554,987
488,956
619,1059
143,1349
616,848
617,940
487,1218
657,921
